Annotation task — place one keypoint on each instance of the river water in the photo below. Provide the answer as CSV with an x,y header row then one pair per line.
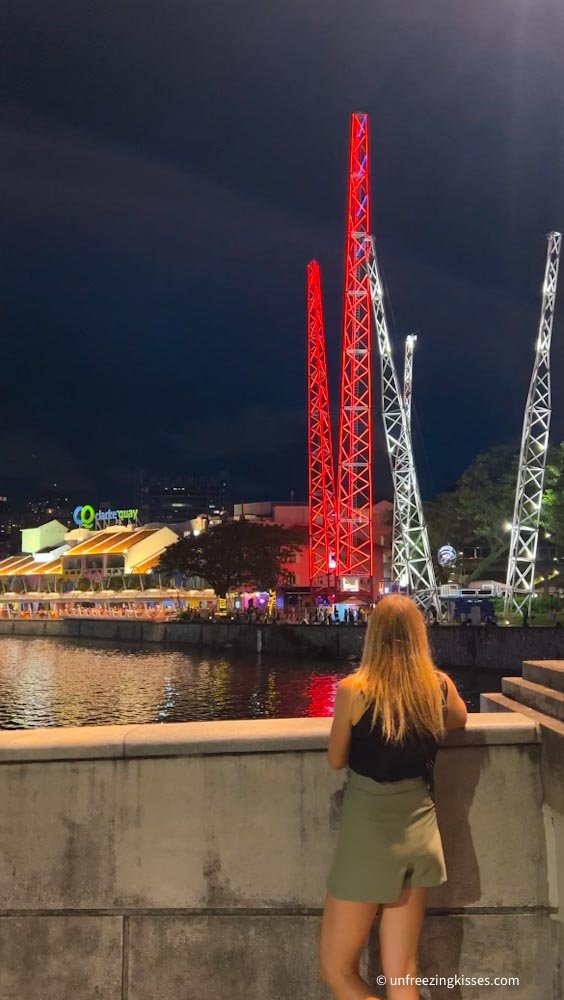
x,y
73,682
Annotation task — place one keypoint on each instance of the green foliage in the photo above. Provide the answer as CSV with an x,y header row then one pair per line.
x,y
443,525
478,507
481,505
235,554
486,494
552,514
498,605
546,602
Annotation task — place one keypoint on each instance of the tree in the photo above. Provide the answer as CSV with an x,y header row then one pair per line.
x,y
479,507
444,523
271,548
553,501
486,494
235,554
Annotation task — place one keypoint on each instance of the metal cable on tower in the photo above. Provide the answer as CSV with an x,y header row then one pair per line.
x,y
355,553
534,446
400,574
322,520
421,582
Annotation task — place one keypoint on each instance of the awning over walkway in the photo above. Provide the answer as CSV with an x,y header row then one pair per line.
x,y
29,566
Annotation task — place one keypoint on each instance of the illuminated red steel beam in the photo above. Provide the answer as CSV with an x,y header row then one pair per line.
x,y
322,521
355,553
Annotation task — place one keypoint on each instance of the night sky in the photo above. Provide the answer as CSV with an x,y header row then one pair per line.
x,y
168,168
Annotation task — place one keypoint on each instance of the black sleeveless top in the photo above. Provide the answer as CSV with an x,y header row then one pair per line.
x,y
371,756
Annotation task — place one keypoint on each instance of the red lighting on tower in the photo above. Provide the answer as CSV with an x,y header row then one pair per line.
x,y
355,554
322,523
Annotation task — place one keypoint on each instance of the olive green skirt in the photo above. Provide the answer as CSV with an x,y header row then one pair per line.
x,y
388,839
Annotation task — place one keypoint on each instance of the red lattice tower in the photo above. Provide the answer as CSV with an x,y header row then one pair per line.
x,y
355,554
322,521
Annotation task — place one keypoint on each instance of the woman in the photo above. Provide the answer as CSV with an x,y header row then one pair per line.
x,y
389,718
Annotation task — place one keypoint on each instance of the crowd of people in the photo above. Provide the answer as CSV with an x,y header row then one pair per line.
x,y
326,616
291,616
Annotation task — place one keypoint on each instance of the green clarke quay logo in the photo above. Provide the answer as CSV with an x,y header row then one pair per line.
x,y
85,516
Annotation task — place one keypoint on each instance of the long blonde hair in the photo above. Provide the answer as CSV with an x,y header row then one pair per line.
x,y
397,673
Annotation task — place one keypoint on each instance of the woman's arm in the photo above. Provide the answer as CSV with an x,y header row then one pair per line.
x,y
340,736
457,713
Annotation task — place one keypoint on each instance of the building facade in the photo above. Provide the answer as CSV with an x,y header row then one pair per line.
x,y
292,515
56,559
176,499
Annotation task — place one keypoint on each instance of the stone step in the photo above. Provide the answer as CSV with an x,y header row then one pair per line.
x,y
495,702
550,673
537,696
552,730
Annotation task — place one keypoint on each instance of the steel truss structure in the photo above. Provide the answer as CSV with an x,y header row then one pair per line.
x,y
355,553
534,446
408,375
400,574
421,582
322,519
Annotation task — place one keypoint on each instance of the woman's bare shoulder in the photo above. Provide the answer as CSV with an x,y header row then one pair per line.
x,y
443,676
350,682
345,690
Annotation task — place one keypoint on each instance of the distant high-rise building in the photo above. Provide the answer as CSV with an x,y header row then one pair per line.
x,y
174,499
47,506
5,527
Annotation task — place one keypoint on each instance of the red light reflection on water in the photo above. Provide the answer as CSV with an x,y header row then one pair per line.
x,y
319,694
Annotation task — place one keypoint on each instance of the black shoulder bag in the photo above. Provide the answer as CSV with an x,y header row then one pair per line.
x,y
430,756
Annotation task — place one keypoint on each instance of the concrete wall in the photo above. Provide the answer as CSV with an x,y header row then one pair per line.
x,y
187,861
548,681
480,648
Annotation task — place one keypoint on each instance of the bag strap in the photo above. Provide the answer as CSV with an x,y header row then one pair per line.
x,y
430,760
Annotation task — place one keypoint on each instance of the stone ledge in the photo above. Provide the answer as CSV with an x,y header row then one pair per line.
x,y
551,735
184,739
63,743
508,706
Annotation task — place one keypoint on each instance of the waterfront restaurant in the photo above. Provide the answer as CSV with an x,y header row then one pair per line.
x,y
106,571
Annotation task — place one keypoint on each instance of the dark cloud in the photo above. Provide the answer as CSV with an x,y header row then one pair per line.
x,y
255,432
166,171
39,459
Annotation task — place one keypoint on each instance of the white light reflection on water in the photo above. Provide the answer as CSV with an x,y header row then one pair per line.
x,y
60,682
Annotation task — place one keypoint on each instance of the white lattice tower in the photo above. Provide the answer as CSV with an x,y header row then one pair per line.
x,y
421,582
534,446
399,565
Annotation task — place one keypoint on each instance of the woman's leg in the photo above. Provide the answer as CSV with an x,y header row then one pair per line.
x,y
344,930
400,927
